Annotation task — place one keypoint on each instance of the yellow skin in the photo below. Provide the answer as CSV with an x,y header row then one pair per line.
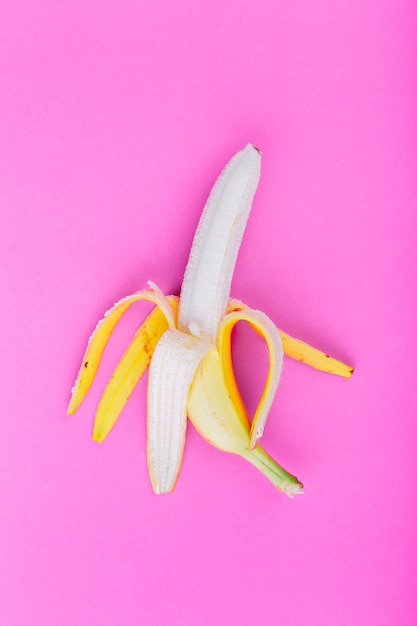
x,y
130,368
214,405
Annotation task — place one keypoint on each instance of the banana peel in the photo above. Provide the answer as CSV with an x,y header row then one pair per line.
x,y
215,406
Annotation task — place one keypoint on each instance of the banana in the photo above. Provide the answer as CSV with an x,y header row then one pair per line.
x,y
186,341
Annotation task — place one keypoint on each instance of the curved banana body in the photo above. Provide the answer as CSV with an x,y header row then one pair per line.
x,y
187,343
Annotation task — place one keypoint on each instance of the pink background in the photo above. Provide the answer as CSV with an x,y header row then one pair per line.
x,y
115,119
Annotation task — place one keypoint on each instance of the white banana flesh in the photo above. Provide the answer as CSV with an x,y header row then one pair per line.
x,y
171,373
205,290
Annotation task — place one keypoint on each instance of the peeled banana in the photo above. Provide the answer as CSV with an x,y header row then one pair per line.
x,y
187,343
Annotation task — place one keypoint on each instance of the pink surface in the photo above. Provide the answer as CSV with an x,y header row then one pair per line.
x,y
115,120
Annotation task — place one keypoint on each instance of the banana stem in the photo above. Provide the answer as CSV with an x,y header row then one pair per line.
x,y
283,480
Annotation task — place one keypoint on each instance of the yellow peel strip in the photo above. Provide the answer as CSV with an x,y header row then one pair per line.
x,y
129,370
303,352
266,329
99,339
